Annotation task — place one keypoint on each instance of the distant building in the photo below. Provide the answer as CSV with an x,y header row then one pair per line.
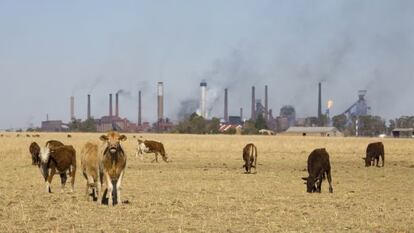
x,y
235,120
53,126
313,131
403,132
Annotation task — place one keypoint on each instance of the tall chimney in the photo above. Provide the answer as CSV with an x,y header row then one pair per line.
x,y
88,114
226,107
203,99
320,103
253,104
266,105
160,93
110,105
72,108
241,114
139,107
117,104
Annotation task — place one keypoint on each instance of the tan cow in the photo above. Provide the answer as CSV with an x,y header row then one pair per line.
x,y
250,157
148,146
92,170
113,165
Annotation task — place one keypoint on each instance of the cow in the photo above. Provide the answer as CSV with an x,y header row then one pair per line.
x,y
318,166
69,135
61,159
92,170
250,157
113,164
53,143
374,152
34,150
148,146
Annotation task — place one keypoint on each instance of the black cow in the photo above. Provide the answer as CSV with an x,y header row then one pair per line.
x,y
318,166
375,150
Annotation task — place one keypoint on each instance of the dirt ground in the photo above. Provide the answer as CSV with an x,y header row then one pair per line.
x,y
204,188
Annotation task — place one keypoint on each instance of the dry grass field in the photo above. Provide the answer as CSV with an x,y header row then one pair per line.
x,y
204,188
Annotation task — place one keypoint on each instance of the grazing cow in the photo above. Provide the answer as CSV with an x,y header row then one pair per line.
x,y
113,165
375,151
35,152
148,146
69,136
318,166
250,157
91,169
60,160
53,143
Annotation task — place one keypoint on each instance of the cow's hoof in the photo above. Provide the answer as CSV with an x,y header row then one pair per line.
x,y
331,190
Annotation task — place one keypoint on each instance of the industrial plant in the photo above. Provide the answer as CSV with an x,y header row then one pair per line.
x,y
259,111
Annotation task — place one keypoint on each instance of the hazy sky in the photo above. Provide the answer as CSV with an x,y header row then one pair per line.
x,y
50,50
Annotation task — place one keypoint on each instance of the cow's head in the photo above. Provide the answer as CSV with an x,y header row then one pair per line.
x,y
367,160
44,161
310,184
112,140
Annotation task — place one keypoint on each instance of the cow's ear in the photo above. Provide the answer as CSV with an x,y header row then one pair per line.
x,y
305,178
103,138
122,137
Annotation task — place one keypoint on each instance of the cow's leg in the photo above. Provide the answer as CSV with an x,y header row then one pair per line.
x,y
156,158
98,191
72,180
382,158
319,184
328,175
49,180
255,164
118,187
63,178
109,187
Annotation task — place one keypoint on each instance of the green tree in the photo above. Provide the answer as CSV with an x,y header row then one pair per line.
x,y
249,128
260,122
339,122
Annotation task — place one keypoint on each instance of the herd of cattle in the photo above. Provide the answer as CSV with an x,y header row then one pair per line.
x,y
103,165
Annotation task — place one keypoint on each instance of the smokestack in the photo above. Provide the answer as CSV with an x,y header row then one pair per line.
x,y
320,103
117,105
241,114
266,105
88,114
203,99
226,107
160,101
139,107
72,108
110,105
253,104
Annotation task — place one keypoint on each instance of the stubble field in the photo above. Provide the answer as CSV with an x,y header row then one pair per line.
x,y
204,188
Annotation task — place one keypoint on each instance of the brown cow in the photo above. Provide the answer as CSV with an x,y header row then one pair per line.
x,y
113,165
60,160
35,152
148,146
91,169
374,152
250,157
53,143
318,166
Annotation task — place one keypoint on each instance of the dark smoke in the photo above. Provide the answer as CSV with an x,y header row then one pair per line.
x,y
187,107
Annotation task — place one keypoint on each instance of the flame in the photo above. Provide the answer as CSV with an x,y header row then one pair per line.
x,y
330,104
